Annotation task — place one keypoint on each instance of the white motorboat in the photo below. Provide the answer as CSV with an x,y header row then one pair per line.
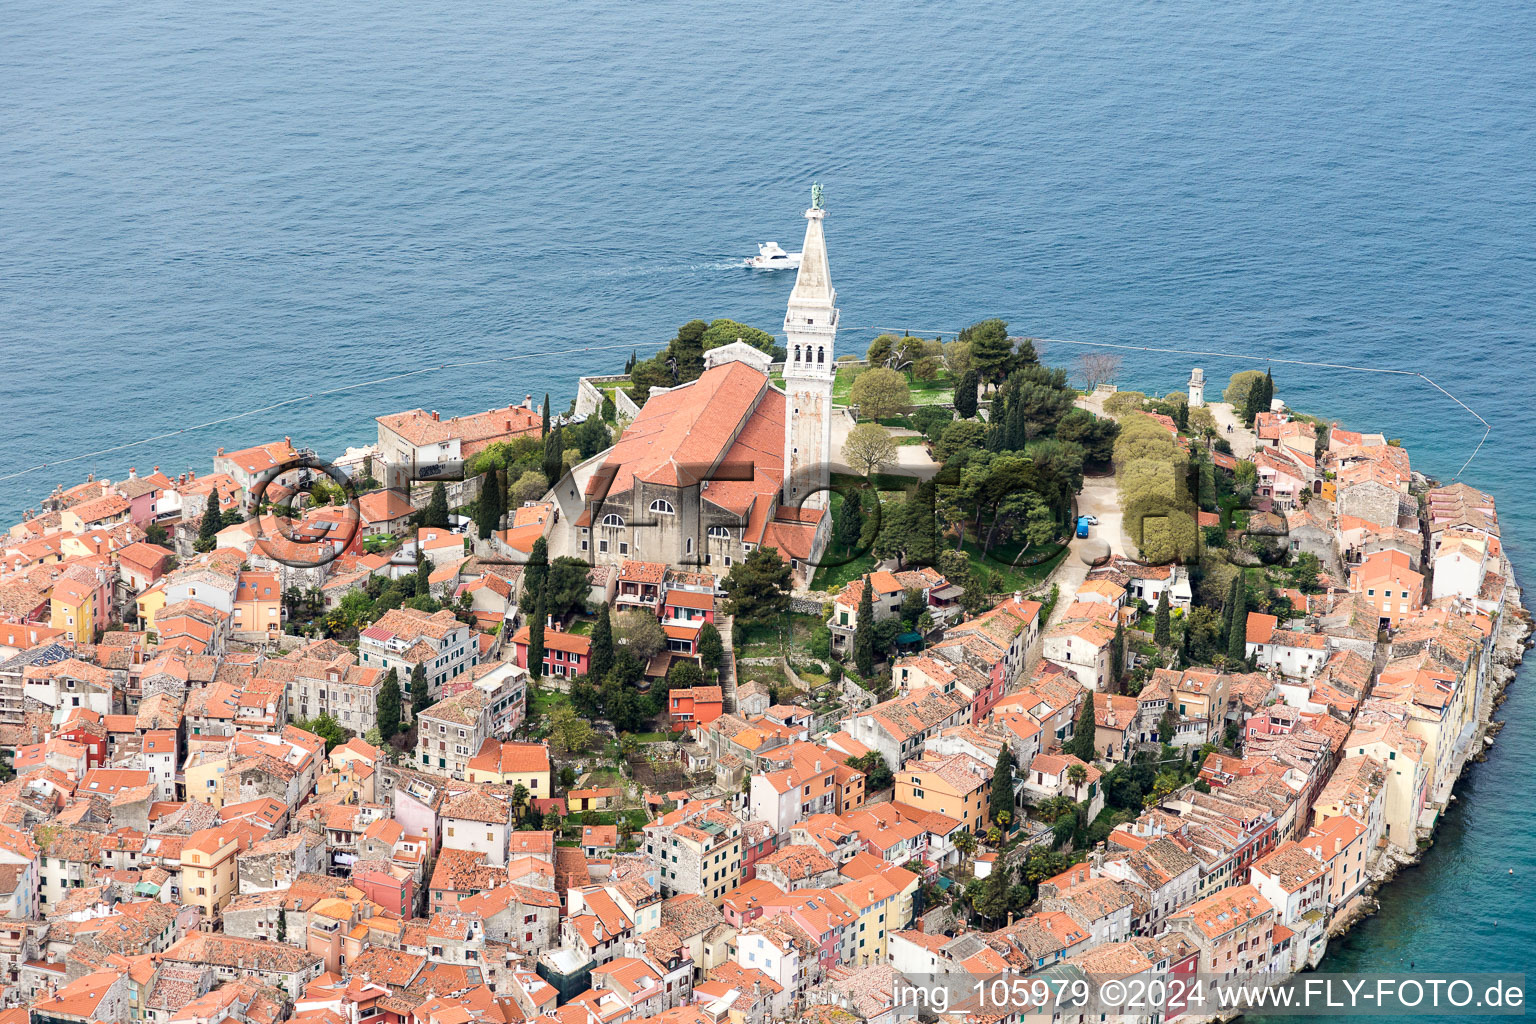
x,y
771,257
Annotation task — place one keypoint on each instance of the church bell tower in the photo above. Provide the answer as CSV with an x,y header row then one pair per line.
x,y
810,328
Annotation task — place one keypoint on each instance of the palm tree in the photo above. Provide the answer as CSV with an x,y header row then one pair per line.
x,y
519,799
1077,774
965,842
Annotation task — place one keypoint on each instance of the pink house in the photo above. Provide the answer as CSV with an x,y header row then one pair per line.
x,y
566,655
392,889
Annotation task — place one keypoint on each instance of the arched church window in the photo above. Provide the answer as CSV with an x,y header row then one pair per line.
x,y
613,520
664,507
720,532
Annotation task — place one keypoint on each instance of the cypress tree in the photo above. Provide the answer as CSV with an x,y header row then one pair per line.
x,y
536,572
387,707
1002,784
1162,629
864,634
421,699
1084,737
554,454
1117,656
536,638
213,522
1226,613
601,660
1237,639
423,574
545,431
437,507
965,394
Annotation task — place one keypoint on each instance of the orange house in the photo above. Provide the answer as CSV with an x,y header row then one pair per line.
x,y
698,705
258,604
1388,583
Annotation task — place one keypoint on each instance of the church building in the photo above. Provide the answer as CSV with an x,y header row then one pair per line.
x,y
712,469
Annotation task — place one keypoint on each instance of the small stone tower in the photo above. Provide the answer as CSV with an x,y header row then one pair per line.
x,y
810,329
1196,388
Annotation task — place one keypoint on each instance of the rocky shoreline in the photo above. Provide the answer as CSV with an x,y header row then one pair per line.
x,y
1510,644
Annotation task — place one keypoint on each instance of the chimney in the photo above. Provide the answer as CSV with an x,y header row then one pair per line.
x,y
434,415
157,469
288,441
527,401
219,452
133,474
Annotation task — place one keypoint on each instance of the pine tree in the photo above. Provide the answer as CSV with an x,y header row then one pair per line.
x,y
387,707
536,637
437,507
421,699
965,394
1237,638
601,659
1002,785
864,634
1162,630
1084,738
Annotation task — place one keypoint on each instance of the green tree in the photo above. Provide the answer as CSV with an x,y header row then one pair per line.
x,y
1083,743
600,662
212,523
544,428
1162,633
684,675
421,696
570,732
536,572
913,606
877,774
422,584
327,728
992,351
387,707
711,648
640,633
1117,656
1237,636
686,352
864,633
437,507
1002,786
868,447
566,586
848,523
966,392
530,486
881,392
1239,386
282,925
155,534
1168,725
759,586
554,453
488,507
723,331
536,637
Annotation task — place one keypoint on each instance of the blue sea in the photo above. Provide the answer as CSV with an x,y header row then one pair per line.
x,y
208,208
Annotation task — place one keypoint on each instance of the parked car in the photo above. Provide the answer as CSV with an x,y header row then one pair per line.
x,y
1091,520
1082,526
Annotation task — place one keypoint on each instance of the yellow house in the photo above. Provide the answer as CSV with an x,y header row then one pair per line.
x,y
149,604
512,764
957,786
72,608
877,900
209,878
204,775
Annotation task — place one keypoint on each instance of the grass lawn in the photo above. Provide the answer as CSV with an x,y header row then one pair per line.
x,y
546,700
940,391
833,578
1036,565
580,627
908,441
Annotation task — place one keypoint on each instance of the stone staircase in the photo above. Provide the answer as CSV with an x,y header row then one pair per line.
x,y
728,670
